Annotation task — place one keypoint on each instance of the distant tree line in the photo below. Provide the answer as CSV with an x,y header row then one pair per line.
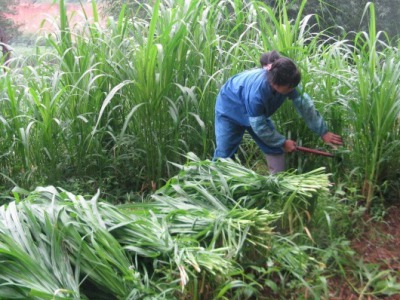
x,y
338,16
7,27
344,16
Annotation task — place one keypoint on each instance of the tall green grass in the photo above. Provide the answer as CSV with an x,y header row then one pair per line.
x,y
117,105
374,107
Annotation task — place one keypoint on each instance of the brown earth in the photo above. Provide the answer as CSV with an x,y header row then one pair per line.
x,y
378,244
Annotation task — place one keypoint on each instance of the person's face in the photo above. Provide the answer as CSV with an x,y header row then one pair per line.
x,y
281,89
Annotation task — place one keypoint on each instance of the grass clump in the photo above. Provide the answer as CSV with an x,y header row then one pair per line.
x,y
215,230
199,230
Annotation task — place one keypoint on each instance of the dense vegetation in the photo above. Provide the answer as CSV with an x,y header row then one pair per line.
x,y
7,27
113,110
339,17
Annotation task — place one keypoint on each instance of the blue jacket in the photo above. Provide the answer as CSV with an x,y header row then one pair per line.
x,y
249,100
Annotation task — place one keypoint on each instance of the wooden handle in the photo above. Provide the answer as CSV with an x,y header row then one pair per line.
x,y
314,151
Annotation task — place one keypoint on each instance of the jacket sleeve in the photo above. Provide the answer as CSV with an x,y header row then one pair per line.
x,y
305,107
265,130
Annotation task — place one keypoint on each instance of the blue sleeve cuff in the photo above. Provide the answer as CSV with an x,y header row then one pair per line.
x,y
264,129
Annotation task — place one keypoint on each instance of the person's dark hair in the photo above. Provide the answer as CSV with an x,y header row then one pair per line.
x,y
283,71
269,58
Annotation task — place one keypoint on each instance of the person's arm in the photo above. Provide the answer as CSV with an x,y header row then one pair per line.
x,y
305,107
266,131
259,122
262,126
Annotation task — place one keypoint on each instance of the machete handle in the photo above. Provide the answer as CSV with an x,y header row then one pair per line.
x,y
314,151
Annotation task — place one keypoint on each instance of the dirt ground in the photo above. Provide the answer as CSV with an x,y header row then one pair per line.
x,y
378,244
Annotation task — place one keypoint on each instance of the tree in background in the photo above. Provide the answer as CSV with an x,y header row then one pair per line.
x,y
340,16
8,28
113,7
7,7
343,16
3,45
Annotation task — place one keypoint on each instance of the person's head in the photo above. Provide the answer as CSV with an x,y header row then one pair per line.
x,y
268,58
283,74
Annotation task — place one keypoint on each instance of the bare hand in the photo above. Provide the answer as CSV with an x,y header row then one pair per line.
x,y
333,139
289,146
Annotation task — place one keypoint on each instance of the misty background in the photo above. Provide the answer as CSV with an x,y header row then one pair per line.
x,y
339,17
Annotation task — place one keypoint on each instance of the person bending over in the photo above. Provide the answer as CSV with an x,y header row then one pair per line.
x,y
248,100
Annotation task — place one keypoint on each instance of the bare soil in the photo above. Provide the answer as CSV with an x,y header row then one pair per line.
x,y
379,244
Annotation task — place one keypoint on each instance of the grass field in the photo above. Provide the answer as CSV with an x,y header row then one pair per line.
x,y
107,188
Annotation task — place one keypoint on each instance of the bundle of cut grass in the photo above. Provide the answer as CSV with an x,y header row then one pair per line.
x,y
226,186
202,224
60,246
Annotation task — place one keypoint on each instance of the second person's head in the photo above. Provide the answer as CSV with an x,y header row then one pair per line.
x,y
283,74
